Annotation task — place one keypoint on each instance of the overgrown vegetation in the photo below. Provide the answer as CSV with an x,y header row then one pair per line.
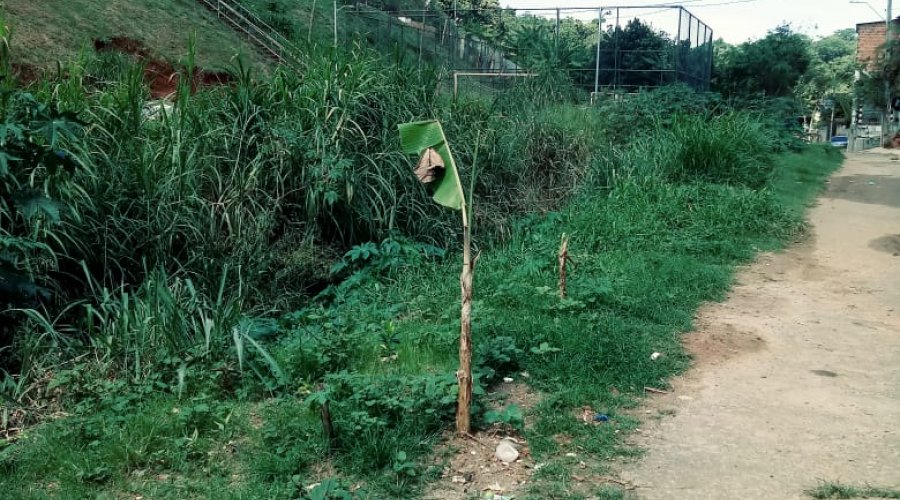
x,y
212,276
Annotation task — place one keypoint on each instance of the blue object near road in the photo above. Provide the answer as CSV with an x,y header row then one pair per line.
x,y
601,418
840,141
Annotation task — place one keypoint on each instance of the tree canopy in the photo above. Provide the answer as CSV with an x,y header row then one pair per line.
x,y
829,79
771,66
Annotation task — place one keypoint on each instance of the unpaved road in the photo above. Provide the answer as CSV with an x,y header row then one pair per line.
x,y
798,373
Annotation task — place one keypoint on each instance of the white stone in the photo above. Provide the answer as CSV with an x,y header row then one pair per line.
x,y
506,452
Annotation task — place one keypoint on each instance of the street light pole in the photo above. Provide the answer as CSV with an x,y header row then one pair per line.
x,y
888,111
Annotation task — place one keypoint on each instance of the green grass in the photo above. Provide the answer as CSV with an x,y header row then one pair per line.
x,y
59,30
838,490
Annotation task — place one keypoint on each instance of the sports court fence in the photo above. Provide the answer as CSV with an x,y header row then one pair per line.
x,y
599,50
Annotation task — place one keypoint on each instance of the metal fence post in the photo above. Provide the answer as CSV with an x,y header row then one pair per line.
x,y
678,44
711,60
690,51
616,73
599,38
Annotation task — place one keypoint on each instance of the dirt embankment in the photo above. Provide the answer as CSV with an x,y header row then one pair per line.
x,y
161,76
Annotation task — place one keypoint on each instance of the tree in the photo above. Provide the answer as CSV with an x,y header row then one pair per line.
x,y
827,86
641,53
771,66
474,15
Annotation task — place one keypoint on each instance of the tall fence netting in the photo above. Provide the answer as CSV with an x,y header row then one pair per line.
x,y
596,50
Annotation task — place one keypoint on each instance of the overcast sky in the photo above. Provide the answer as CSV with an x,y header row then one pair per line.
x,y
739,20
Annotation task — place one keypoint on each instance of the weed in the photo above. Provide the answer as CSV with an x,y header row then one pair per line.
x,y
511,416
838,490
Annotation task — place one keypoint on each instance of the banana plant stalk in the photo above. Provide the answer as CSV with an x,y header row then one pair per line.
x,y
437,167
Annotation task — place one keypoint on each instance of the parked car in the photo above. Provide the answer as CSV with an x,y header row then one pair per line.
x,y
839,141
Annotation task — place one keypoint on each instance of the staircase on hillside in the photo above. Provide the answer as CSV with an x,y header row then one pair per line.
x,y
255,30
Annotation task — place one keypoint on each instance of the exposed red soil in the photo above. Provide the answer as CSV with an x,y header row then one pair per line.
x,y
162,77
26,73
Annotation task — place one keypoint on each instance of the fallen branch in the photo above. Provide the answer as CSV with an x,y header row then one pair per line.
x,y
616,481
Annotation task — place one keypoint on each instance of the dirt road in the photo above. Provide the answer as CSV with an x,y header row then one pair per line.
x,y
798,373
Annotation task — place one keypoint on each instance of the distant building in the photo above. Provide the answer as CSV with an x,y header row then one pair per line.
x,y
870,39
870,42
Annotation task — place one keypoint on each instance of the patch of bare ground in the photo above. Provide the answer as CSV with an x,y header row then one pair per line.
x,y
470,465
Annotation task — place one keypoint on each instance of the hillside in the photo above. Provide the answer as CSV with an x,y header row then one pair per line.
x,y
313,21
51,30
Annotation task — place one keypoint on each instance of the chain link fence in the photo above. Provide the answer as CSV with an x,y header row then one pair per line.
x,y
598,50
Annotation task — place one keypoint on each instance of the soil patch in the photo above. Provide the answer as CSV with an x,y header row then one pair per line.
x,y
715,343
26,73
470,467
863,188
162,76
889,244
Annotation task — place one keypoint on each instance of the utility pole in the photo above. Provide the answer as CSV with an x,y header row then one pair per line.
x,y
888,32
854,120
597,67
833,101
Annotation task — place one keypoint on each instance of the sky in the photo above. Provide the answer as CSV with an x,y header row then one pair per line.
x,y
740,20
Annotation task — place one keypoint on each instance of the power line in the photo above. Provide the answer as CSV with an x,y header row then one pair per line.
x,y
721,3
683,2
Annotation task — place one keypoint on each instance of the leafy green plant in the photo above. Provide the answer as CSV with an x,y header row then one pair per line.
x,y
544,348
391,255
329,489
34,163
319,341
496,356
388,338
404,467
510,415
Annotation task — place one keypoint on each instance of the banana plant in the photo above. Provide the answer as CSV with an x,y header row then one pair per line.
x,y
437,167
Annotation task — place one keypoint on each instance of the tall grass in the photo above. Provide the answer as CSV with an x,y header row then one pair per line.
x,y
272,178
294,161
733,148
